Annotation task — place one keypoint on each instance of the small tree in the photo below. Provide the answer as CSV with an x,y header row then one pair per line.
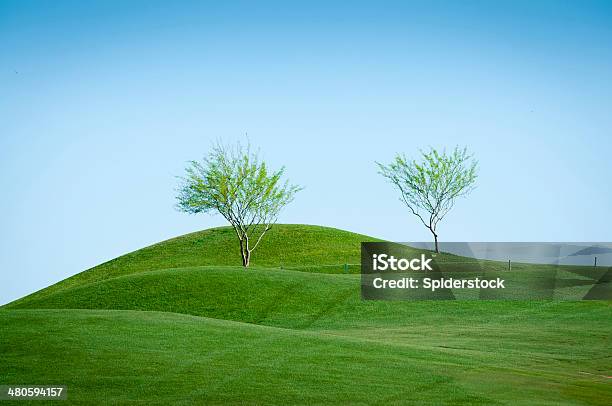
x,y
429,188
237,184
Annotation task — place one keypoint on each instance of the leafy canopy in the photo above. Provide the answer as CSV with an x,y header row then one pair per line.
x,y
430,187
237,184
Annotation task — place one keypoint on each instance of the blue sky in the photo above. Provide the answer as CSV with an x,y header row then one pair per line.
x,y
103,102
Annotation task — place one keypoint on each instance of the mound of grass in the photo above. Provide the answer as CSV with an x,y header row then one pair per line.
x,y
273,297
287,246
294,299
299,333
573,334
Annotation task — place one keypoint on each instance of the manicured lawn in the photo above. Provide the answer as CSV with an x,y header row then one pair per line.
x,y
180,322
120,356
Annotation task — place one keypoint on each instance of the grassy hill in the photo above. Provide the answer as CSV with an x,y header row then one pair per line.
x,y
180,322
291,246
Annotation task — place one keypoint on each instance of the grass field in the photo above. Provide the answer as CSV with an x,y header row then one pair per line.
x,y
181,322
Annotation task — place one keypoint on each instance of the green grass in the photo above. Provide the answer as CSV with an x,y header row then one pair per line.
x,y
121,356
164,324
311,248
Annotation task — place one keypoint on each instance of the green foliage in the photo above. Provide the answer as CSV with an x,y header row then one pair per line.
x,y
239,186
430,187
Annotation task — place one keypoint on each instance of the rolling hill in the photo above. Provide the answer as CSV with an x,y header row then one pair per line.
x,y
179,322
303,247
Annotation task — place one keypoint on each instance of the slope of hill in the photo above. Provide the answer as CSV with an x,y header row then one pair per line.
x,y
293,246
286,298
272,335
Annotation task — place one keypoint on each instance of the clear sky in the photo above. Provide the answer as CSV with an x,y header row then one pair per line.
x,y
101,104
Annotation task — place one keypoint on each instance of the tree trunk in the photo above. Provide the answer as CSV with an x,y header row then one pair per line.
x,y
246,259
435,240
244,253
